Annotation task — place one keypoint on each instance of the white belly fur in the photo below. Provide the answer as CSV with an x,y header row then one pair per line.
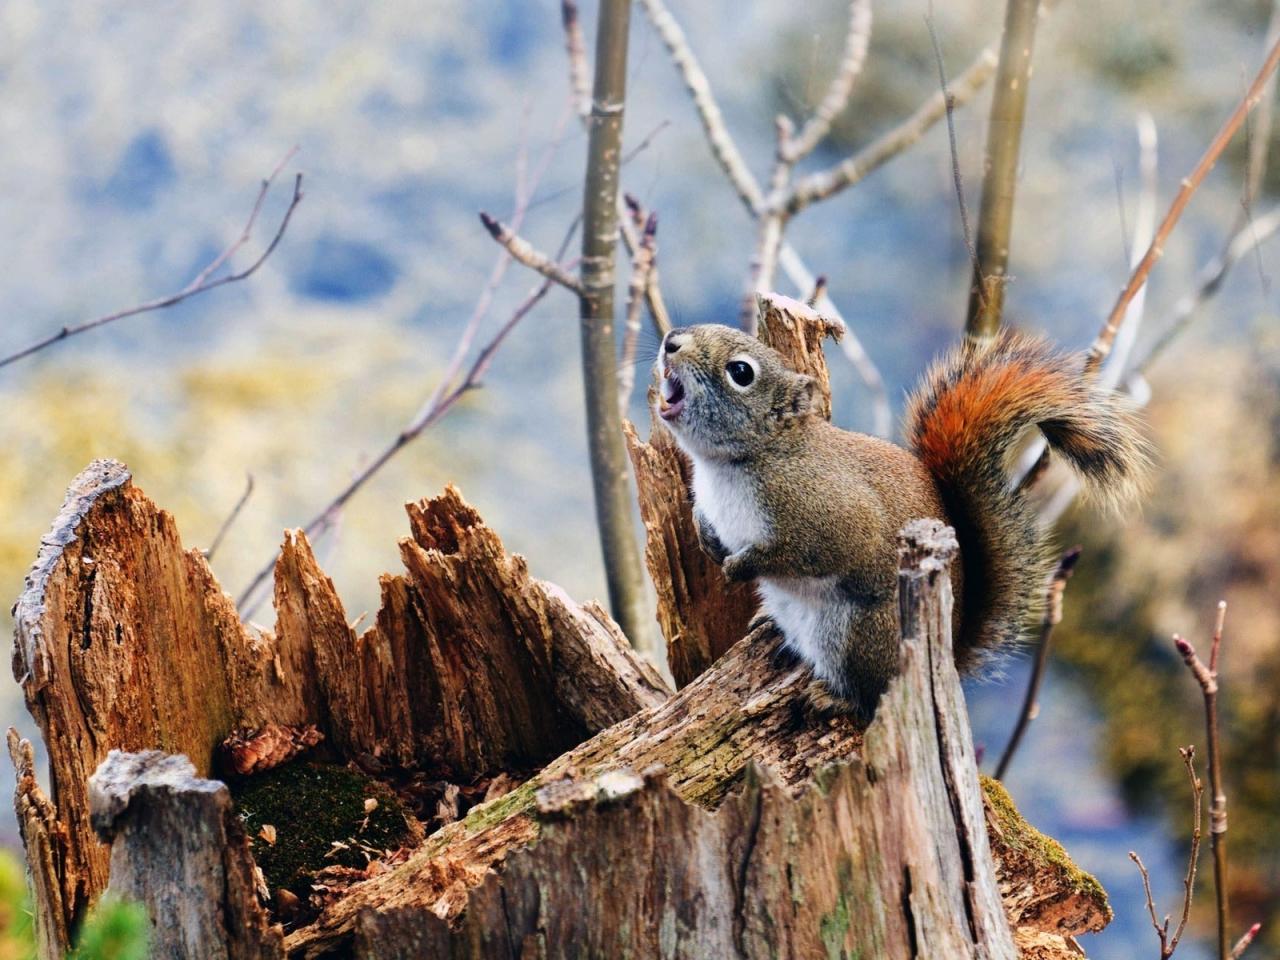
x,y
727,499
814,617
812,613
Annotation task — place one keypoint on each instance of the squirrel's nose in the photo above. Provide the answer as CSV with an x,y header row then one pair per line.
x,y
673,341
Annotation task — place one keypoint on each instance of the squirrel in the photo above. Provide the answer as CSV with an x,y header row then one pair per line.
x,y
811,512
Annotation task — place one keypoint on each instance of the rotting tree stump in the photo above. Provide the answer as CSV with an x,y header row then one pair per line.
x,y
585,809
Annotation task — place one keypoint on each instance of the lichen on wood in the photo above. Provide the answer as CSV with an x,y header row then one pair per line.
x,y
761,824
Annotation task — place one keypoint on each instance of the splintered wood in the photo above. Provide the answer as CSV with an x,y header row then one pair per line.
x,y
702,615
125,640
726,819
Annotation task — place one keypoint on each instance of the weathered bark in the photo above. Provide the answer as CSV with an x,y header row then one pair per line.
x,y
700,614
878,846
124,640
177,847
727,819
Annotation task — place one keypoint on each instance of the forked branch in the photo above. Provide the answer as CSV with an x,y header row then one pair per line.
x,y
203,282
1107,335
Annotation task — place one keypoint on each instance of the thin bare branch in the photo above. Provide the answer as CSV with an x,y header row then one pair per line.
x,y
770,224
826,183
856,40
958,181
525,188
429,414
523,251
1051,618
1207,678
850,345
1243,943
576,48
641,266
819,291
1162,930
1106,336
231,518
1000,179
1209,282
723,148
632,225
203,281
1193,859
1169,942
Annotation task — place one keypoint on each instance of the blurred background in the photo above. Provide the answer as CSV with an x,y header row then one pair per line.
x,y
135,137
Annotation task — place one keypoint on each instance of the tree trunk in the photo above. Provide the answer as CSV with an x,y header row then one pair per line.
x,y
576,806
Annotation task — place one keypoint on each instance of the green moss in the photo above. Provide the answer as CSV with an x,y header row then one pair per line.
x,y
312,806
1025,839
114,930
833,927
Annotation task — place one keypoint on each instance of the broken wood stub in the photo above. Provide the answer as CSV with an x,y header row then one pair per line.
x,y
700,614
769,832
472,665
178,848
125,640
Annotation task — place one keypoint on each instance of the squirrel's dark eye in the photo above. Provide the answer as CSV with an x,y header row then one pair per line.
x,y
740,372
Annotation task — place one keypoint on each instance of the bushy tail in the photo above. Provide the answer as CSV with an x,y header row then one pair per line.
x,y
963,422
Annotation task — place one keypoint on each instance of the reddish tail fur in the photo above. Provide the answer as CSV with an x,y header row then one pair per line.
x,y
963,422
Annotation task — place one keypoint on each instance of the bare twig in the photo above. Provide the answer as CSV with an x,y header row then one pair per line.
x,y
1189,880
819,291
609,471
1169,942
576,48
203,281
999,182
723,148
815,129
1243,943
826,183
1207,678
231,517
441,401
641,266
523,251
958,181
1106,336
771,222
850,345
1052,617
1209,282
632,228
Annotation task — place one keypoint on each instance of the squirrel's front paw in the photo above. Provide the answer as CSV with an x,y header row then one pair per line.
x,y
711,544
739,567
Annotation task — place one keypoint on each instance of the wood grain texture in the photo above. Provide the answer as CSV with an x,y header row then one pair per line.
x,y
124,640
178,847
727,819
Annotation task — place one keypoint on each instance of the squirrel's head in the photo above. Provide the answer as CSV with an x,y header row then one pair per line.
x,y
724,394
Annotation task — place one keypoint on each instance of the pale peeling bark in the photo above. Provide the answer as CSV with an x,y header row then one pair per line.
x,y
178,847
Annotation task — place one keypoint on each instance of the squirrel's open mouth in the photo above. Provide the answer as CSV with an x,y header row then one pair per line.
x,y
670,396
